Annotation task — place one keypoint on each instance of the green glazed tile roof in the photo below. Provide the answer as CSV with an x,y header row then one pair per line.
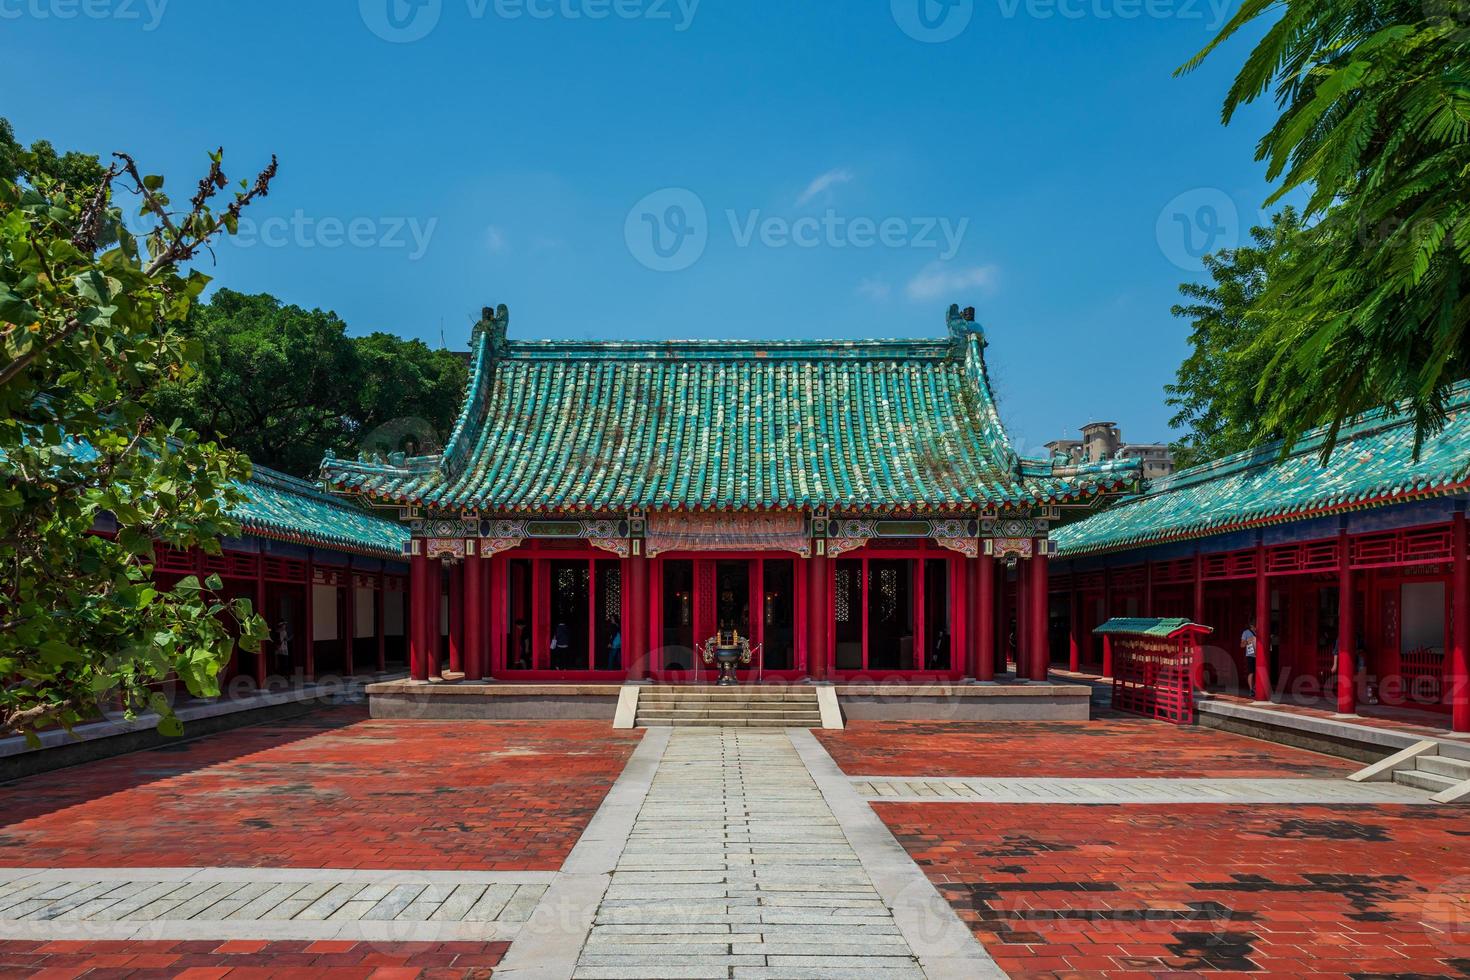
x,y
1146,627
287,509
1373,465
726,425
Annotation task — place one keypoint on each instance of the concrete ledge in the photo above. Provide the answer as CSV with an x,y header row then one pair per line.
x,y
1330,736
967,702
500,700
116,735
419,701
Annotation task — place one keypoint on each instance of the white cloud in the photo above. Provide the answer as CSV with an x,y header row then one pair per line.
x,y
938,281
495,239
824,183
874,289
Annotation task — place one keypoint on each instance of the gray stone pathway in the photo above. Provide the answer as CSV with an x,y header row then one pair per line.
x,y
921,789
227,903
736,866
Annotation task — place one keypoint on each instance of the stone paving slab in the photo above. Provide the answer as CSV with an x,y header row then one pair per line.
x,y
1111,792
227,903
737,865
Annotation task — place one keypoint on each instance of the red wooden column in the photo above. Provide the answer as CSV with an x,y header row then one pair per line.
x,y
308,644
380,621
473,617
349,621
1460,629
456,618
260,603
1002,618
635,629
418,618
1074,622
498,604
1199,616
1040,603
1107,614
435,610
985,618
817,617
1347,630
1263,628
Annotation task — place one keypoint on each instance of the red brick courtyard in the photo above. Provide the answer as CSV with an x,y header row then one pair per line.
x,y
1052,890
247,960
1150,891
1112,745
332,789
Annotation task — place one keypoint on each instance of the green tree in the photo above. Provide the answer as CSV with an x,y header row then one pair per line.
x,y
407,395
1372,309
1214,394
284,385
89,326
275,381
76,170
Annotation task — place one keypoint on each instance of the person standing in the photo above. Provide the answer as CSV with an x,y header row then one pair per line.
x,y
1248,643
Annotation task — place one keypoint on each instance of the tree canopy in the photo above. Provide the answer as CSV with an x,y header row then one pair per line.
x,y
284,385
90,481
1371,306
1214,393
76,170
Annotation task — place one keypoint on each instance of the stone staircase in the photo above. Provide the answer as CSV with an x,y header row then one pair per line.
x,y
1437,773
728,707
1437,767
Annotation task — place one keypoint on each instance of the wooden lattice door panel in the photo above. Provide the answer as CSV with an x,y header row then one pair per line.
x,y
1154,678
704,602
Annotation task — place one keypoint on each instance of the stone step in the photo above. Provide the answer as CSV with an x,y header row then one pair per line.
x,y
815,722
752,715
734,694
1456,769
1453,750
1424,780
730,705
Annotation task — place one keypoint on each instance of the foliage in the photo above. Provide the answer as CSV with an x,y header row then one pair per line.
x,y
1372,308
1214,393
89,325
79,171
285,385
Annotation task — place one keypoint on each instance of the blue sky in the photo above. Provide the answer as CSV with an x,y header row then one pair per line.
x,y
811,168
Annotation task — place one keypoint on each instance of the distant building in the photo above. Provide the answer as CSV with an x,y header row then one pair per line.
x,y
1104,440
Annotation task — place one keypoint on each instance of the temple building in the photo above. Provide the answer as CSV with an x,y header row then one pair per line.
x,y
852,509
1353,572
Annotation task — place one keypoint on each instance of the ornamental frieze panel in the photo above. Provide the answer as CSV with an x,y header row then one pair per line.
x,y
727,532
1014,527
1010,547
841,546
969,547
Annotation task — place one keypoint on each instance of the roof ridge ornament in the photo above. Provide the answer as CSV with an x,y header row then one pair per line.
x,y
962,326
495,321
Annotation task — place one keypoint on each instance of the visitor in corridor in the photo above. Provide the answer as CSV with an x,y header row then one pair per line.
x,y
1248,644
